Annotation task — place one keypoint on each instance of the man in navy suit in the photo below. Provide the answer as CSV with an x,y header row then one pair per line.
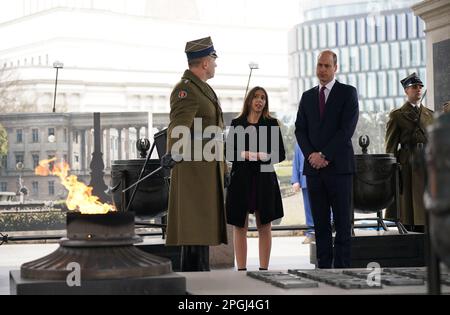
x,y
326,120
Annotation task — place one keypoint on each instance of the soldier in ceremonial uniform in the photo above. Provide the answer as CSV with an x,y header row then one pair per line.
x,y
196,213
405,134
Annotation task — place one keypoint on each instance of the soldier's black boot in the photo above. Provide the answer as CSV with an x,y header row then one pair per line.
x,y
194,258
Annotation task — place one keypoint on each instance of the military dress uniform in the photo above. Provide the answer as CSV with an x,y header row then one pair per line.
x,y
406,132
196,212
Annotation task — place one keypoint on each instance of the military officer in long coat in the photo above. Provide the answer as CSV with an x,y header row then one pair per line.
x,y
405,134
196,213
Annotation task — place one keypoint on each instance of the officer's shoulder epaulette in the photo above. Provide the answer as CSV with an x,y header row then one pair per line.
x,y
395,111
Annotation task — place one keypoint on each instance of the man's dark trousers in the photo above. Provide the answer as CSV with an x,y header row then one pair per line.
x,y
333,190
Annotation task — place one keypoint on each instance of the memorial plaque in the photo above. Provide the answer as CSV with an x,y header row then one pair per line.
x,y
441,68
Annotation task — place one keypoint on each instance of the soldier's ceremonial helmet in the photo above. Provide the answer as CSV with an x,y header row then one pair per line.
x,y
411,80
200,48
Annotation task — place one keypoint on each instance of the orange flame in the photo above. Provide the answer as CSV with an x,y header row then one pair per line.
x,y
80,195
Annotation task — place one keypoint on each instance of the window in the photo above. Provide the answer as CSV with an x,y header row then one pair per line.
x,y
323,35
65,158
51,132
65,135
372,85
331,27
401,26
351,32
362,85
342,33
392,83
35,135
415,53
420,28
405,54
306,37
77,159
75,137
354,59
19,136
379,105
361,31
35,188
385,56
4,161
371,30
51,188
423,56
35,158
381,79
309,64
299,39
51,164
352,80
364,58
314,40
412,25
381,28
391,28
369,106
302,64
3,187
395,55
19,158
423,75
344,60
374,57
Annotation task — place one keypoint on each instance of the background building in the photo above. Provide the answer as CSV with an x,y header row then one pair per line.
x,y
124,56
378,43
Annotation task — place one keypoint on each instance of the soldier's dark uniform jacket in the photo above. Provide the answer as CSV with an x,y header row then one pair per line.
x,y
403,135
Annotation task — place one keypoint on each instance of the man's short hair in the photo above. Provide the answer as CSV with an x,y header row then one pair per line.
x,y
335,60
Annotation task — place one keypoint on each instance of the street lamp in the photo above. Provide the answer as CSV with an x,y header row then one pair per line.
x,y
57,65
252,66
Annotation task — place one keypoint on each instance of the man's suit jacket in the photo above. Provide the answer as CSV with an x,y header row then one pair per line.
x,y
332,134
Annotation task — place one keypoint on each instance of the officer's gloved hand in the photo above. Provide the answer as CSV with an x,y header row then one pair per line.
x,y
227,179
167,162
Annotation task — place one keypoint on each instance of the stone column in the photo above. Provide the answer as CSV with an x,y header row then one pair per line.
x,y
435,14
83,150
107,150
127,143
119,141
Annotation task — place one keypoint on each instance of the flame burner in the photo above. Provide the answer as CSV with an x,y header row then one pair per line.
x,y
102,245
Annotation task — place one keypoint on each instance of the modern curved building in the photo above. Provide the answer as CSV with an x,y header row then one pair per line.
x,y
377,42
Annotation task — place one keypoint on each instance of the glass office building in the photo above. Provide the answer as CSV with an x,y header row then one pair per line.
x,y
377,46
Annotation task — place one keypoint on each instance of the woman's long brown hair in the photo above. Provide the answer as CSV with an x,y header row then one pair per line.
x,y
248,103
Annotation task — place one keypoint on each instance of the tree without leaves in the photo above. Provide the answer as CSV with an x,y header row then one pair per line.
x,y
11,94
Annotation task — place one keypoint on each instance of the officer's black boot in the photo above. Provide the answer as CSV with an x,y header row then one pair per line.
x,y
194,258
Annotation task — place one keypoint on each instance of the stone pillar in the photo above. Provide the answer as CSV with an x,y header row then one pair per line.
x,y
119,142
107,151
127,143
83,150
435,14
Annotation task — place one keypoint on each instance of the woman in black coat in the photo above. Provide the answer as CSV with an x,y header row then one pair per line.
x,y
254,145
